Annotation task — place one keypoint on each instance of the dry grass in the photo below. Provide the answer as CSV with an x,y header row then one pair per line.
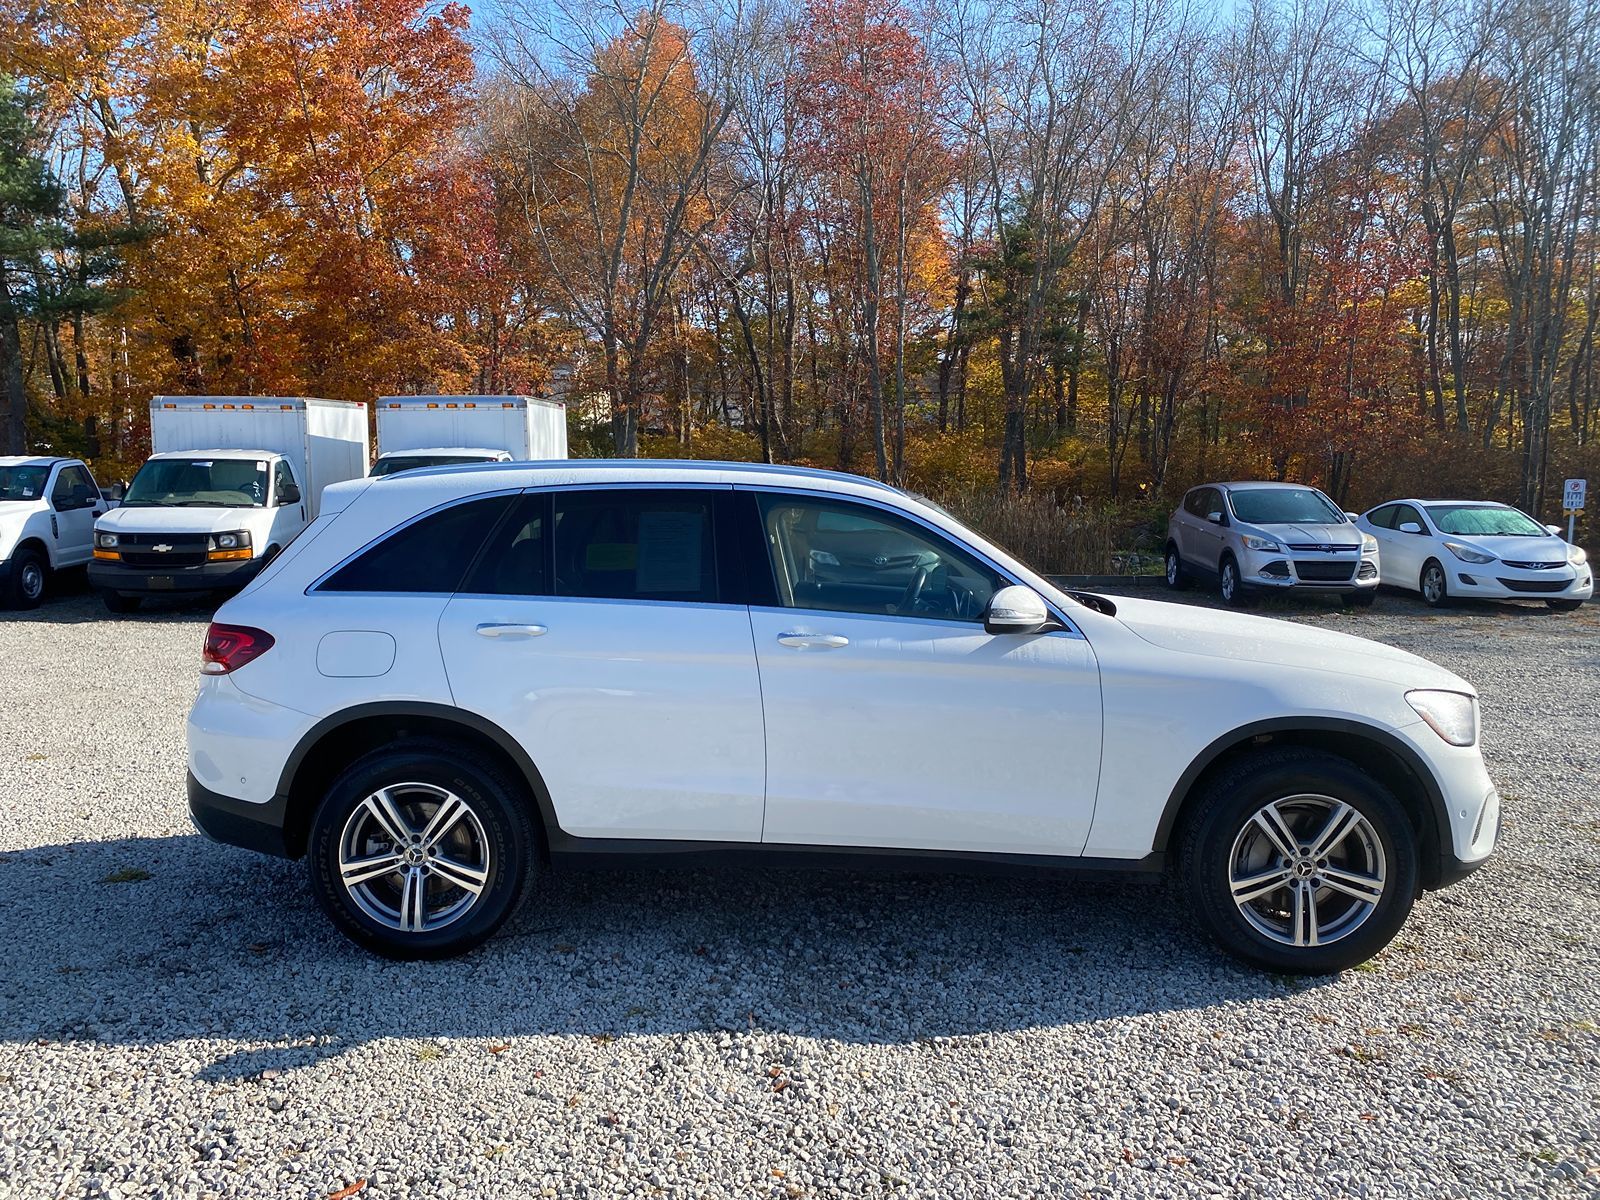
x,y
1048,537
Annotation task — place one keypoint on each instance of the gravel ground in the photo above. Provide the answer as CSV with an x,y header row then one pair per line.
x,y
176,1019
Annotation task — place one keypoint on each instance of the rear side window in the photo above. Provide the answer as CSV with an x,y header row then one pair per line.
x,y
635,545
428,556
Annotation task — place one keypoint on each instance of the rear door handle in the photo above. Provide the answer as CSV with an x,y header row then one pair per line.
x,y
501,629
813,641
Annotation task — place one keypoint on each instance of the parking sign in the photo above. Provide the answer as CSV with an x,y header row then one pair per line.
x,y
1574,494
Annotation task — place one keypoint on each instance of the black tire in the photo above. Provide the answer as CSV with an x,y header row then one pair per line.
x,y
1309,784
1359,599
1434,584
497,839
1565,605
1234,592
29,575
121,602
1177,577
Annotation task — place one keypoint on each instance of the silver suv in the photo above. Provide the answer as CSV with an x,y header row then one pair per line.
x,y
1278,536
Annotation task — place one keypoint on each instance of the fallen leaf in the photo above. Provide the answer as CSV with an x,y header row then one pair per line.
x,y
1177,1160
780,1085
259,947
344,1193
499,1049
1127,1155
1369,1116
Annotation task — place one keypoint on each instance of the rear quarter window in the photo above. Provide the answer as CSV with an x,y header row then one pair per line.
x,y
429,556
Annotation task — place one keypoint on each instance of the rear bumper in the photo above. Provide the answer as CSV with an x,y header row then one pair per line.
x,y
258,827
207,577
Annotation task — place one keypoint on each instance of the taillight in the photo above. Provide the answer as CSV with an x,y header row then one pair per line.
x,y
229,647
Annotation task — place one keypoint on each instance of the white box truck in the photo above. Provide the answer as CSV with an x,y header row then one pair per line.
x,y
438,431
231,481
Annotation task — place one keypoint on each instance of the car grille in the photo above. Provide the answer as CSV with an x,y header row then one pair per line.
x,y
1531,566
1325,572
1312,547
1536,585
138,550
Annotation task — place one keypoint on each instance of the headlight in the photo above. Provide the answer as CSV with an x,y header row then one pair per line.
x,y
1252,542
230,541
105,541
1451,715
1369,544
1577,556
1468,553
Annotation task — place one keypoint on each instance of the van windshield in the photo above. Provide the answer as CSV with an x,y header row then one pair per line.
x,y
199,483
22,483
1283,506
393,465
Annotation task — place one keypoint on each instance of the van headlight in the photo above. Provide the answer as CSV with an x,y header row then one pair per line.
x,y
223,546
1452,715
105,541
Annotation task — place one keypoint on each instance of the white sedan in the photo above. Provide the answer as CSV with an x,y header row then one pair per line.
x,y
1454,549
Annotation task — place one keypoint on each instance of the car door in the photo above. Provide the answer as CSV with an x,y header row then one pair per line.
x,y
1406,550
1380,524
75,502
288,505
594,630
892,718
1209,534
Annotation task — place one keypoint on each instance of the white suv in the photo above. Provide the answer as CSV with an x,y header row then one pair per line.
x,y
459,677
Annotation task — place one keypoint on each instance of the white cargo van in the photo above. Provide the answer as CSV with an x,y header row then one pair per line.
x,y
231,481
437,431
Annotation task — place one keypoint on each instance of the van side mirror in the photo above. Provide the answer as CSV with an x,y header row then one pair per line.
x,y
1016,609
1410,527
289,493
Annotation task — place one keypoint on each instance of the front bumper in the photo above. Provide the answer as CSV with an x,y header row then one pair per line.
x,y
1308,571
1498,581
206,577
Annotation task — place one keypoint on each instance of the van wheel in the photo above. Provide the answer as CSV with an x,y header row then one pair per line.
x,y
1434,585
1298,861
28,574
1177,577
121,602
421,852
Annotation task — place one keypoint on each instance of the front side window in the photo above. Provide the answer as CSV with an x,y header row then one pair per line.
x,y
282,477
1284,506
835,556
73,489
1481,520
427,557
1405,514
199,483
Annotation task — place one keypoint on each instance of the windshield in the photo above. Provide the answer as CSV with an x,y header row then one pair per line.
x,y
22,483
199,483
1284,506
1478,520
412,462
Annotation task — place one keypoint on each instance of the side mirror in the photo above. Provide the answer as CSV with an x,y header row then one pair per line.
x,y
1555,529
289,493
1016,609
1352,517
1214,517
1410,527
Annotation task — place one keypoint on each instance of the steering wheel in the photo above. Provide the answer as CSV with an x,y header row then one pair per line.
x,y
913,593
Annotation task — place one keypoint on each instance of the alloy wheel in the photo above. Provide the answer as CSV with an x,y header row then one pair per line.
x,y
1307,870
414,857
1433,583
1230,581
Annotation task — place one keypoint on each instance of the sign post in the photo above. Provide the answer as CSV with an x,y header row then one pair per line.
x,y
1573,495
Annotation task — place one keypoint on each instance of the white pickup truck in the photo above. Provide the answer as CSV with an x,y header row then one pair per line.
x,y
47,511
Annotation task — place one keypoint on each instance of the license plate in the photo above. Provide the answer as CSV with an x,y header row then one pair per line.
x,y
160,582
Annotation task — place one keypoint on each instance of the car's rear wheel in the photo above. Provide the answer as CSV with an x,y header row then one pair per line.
x,y
421,852
1234,593
1177,577
1434,585
1565,605
28,575
1298,861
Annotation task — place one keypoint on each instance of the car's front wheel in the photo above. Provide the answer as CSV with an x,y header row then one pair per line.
x,y
1298,861
421,852
28,573
1433,584
1234,593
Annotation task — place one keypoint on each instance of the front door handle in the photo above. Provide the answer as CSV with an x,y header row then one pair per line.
x,y
501,629
813,641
